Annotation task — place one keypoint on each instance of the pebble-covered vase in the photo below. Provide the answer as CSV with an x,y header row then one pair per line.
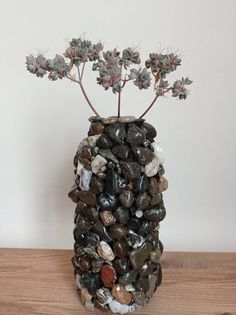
x,y
119,181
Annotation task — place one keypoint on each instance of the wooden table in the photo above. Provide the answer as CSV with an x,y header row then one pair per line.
x,y
41,282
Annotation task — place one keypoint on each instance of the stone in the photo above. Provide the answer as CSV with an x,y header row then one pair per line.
x,y
110,120
74,194
97,163
139,213
134,307
90,213
138,256
91,239
135,135
89,306
78,236
126,198
104,142
142,200
85,295
91,281
149,130
104,295
92,140
121,295
83,225
162,184
139,298
144,229
152,167
79,168
108,155
153,187
97,265
85,179
134,240
85,153
128,278
126,119
122,152
114,183
146,268
118,231
96,185
77,279
120,249
95,128
107,218
134,224
142,284
122,266
143,155
153,237
94,150
105,251
121,215
156,200
161,170
107,202
101,231
84,264
87,197
130,288
159,152
108,276
117,307
116,132
155,255
155,213
95,118
159,275
141,184
91,252
130,170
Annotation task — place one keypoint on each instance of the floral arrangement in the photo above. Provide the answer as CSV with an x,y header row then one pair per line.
x,y
114,68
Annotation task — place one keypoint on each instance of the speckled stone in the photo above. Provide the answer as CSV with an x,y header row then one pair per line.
x,y
141,184
142,284
116,132
146,268
95,128
152,167
91,239
134,224
96,185
144,229
128,277
122,215
134,240
92,282
155,213
97,265
114,183
138,256
108,155
139,298
122,152
108,276
142,201
126,198
107,218
130,170
107,201
143,155
135,135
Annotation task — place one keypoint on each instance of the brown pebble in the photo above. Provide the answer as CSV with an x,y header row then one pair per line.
x,y
121,295
107,218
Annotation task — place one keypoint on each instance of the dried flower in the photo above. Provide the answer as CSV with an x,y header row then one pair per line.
x,y
179,89
130,56
36,65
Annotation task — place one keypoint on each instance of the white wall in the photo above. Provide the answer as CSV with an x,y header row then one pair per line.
x,y
42,122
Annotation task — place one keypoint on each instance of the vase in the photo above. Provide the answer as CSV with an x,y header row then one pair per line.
x,y
118,194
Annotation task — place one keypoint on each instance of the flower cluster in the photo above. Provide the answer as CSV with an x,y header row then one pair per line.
x,y
141,77
179,89
81,51
163,64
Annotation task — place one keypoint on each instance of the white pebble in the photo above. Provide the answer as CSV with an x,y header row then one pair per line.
x,y
79,169
85,179
97,164
116,307
104,250
152,167
139,213
159,152
92,140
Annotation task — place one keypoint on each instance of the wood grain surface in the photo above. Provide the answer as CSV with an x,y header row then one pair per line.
x,y
41,282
